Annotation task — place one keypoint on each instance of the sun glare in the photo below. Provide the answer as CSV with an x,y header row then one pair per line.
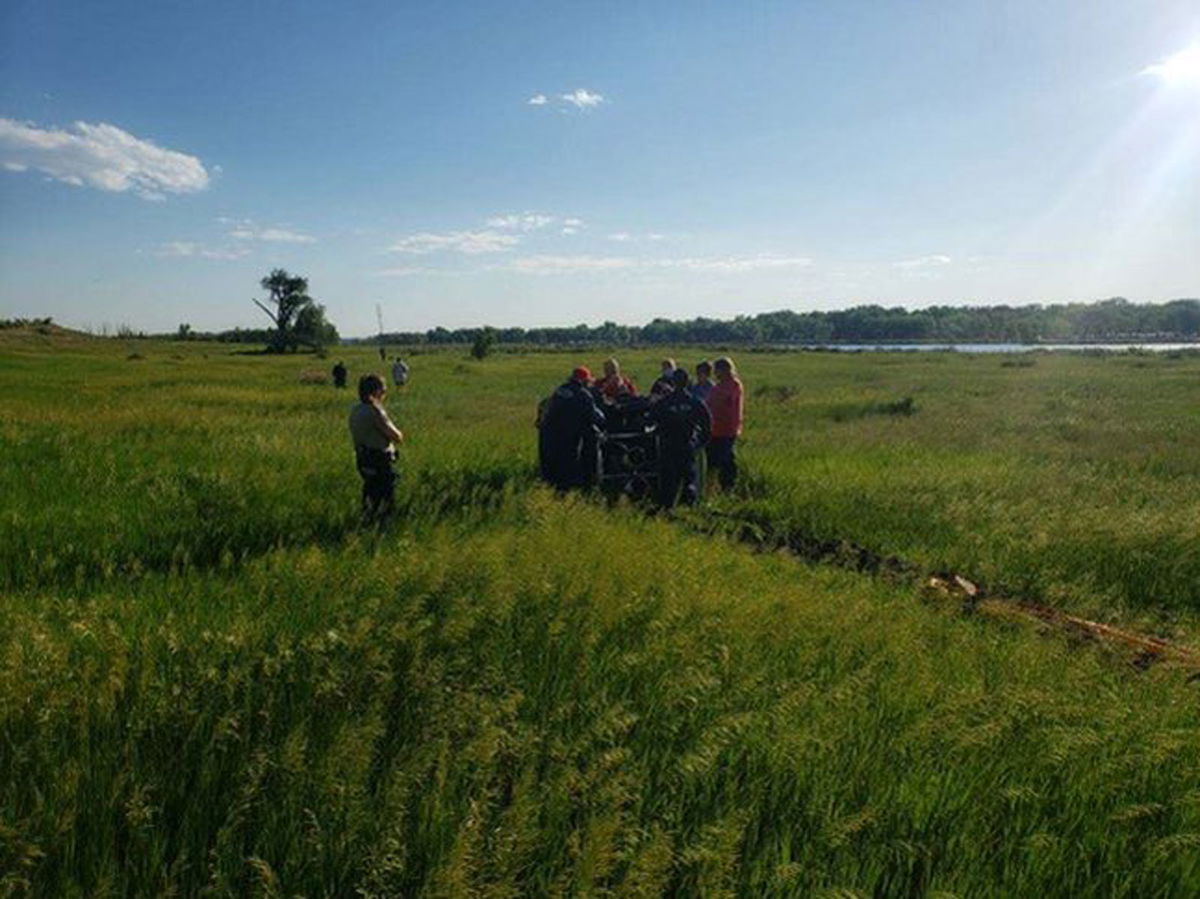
x,y
1181,69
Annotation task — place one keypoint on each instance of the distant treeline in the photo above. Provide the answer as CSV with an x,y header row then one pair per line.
x,y
1109,320
235,335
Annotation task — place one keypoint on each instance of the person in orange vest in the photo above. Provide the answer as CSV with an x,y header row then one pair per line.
x,y
725,404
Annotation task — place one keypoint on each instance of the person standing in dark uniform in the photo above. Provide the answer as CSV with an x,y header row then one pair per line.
x,y
684,425
374,436
339,374
567,433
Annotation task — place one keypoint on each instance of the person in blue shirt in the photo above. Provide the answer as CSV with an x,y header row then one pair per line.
x,y
684,425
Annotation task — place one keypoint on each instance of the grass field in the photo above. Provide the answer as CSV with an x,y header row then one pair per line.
x,y
214,682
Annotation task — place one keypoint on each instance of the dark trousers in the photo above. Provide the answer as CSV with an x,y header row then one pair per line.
x,y
568,463
722,460
379,481
677,468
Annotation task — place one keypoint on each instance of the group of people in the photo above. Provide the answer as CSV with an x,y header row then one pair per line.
x,y
686,415
399,372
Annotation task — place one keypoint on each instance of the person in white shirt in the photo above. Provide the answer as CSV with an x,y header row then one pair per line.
x,y
399,372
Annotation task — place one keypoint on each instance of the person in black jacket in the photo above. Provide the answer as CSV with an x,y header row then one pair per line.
x,y
684,425
567,432
339,374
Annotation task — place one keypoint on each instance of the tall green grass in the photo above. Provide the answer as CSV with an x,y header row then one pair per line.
x,y
1069,479
573,702
214,681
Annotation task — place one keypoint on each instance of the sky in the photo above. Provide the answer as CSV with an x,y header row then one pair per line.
x,y
542,164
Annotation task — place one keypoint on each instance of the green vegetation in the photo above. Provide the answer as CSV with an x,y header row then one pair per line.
x,y
212,681
1109,320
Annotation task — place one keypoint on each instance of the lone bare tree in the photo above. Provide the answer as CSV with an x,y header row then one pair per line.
x,y
288,295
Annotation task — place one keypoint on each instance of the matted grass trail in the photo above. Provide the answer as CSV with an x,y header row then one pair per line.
x,y
574,702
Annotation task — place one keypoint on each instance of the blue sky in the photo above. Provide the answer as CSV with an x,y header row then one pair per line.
x,y
554,163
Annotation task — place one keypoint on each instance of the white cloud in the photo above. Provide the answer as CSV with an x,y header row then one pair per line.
x,y
470,242
401,271
936,260
248,231
718,264
187,248
581,98
548,265
537,100
525,221
627,236
101,156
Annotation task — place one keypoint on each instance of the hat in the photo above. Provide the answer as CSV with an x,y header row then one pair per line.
x,y
581,374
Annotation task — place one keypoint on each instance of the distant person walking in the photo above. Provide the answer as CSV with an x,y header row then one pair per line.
x,y
684,425
374,438
399,372
567,433
725,403
339,374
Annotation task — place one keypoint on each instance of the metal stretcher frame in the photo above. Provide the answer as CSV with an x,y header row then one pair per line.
x,y
627,457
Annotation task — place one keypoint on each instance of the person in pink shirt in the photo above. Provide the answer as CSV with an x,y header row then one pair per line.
x,y
725,403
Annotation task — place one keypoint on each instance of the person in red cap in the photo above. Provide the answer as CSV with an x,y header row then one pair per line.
x,y
567,433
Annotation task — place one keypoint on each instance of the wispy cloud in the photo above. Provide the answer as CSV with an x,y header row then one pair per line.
x,y
551,264
187,248
470,242
923,263
581,98
627,237
248,231
525,221
732,264
544,265
402,271
101,156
